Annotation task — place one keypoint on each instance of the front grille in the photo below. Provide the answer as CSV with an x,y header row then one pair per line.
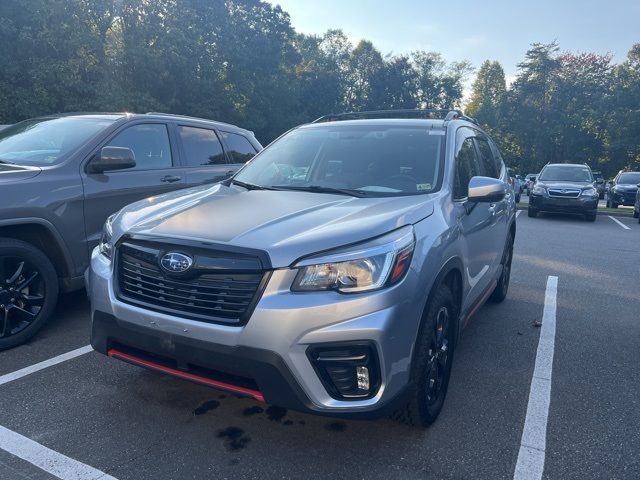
x,y
207,292
564,193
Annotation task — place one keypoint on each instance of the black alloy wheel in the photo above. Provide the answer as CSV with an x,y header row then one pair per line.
x,y
433,358
502,287
28,291
439,364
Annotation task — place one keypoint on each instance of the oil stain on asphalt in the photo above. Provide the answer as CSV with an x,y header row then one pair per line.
x,y
249,411
234,438
275,414
206,406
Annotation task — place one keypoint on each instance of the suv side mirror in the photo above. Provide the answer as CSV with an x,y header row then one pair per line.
x,y
486,190
113,158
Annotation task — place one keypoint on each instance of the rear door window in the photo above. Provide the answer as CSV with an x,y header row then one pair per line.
x,y
489,163
201,146
467,163
239,148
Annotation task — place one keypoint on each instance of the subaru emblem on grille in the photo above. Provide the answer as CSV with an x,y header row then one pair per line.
x,y
176,262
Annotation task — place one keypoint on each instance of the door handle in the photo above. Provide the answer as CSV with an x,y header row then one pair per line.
x,y
170,178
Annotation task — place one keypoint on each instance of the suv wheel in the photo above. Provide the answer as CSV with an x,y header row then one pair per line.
x,y
591,216
28,291
431,366
636,213
500,292
532,212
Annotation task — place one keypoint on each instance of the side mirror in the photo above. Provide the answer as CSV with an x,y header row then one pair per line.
x,y
113,158
486,190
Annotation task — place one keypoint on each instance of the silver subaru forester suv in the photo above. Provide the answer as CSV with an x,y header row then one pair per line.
x,y
333,274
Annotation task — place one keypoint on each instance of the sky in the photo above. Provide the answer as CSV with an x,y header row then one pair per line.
x,y
475,30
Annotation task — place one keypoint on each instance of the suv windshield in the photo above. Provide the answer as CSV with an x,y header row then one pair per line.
x,y
565,173
630,178
44,142
371,160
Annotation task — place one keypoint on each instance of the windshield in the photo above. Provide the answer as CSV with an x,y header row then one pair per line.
x,y
373,160
44,142
565,173
630,178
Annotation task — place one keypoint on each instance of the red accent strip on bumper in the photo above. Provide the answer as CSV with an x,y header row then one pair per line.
x,y
186,375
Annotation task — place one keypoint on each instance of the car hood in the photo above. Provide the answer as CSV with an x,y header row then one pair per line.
x,y
13,173
627,186
287,225
567,185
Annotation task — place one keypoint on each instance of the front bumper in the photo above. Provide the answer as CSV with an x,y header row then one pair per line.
x,y
627,199
268,355
564,205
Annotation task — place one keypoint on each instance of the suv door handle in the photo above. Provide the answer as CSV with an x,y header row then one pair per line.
x,y
170,178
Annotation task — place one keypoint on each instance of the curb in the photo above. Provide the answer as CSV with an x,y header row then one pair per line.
x,y
622,215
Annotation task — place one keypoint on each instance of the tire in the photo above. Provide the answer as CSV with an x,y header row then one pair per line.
x,y
28,291
431,365
590,217
532,212
500,292
636,214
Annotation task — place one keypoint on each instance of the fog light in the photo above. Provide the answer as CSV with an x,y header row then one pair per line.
x,y
362,374
348,370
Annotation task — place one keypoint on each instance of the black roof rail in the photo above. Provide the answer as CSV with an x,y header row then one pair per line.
x,y
447,113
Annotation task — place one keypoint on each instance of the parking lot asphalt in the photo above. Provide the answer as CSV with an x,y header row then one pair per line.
x,y
136,424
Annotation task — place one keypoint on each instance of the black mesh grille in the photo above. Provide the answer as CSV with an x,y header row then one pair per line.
x,y
564,193
210,294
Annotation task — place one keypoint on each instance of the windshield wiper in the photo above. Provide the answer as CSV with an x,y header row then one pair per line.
x,y
249,186
321,189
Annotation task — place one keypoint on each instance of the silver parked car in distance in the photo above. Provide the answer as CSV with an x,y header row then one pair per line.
x,y
333,274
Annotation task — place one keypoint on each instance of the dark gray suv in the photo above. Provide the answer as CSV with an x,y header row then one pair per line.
x,y
62,176
332,274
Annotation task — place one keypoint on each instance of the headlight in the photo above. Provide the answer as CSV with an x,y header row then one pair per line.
x,y
539,190
376,264
589,192
105,247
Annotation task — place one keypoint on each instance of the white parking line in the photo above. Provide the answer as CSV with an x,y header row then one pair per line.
x,y
23,372
619,222
46,459
530,465
518,213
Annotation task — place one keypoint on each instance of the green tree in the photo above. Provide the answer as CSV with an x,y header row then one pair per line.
x,y
439,85
624,115
488,94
